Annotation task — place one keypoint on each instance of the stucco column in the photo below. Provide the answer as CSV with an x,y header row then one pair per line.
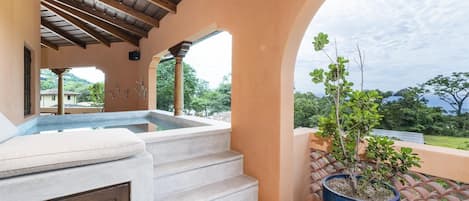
x,y
60,91
178,87
179,51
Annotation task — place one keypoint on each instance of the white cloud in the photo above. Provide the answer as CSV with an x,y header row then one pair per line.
x,y
405,42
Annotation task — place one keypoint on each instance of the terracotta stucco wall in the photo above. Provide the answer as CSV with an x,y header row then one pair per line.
x,y
302,165
19,27
121,74
266,37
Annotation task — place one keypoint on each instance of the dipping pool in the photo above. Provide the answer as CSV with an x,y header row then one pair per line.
x,y
137,122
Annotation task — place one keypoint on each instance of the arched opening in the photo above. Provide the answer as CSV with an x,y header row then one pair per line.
x,y
405,59
83,90
207,78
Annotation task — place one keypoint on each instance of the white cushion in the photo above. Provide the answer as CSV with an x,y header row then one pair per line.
x,y
7,129
44,152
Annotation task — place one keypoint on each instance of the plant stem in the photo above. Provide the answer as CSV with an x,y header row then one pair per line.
x,y
361,56
337,114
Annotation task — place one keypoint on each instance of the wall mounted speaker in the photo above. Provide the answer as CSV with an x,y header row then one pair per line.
x,y
134,55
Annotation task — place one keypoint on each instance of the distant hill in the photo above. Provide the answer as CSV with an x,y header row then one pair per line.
x,y
71,82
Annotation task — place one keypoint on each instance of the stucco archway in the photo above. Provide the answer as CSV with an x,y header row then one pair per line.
x,y
295,35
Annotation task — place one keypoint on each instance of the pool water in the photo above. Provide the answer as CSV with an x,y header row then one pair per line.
x,y
136,125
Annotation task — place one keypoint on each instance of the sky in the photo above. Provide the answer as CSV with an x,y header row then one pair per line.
x,y
91,74
405,42
211,58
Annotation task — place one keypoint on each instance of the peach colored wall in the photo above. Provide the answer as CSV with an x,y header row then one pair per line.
x,y
440,161
121,74
301,166
266,37
19,27
437,161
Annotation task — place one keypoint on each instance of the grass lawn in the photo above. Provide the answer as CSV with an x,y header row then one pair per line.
x,y
446,141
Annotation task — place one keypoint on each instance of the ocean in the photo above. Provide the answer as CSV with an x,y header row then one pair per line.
x,y
435,101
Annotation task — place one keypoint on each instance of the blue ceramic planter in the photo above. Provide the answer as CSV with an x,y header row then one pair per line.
x,y
330,195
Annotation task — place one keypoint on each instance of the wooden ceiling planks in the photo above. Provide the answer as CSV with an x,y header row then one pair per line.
x,y
132,12
82,22
63,34
165,4
79,24
48,44
104,17
91,20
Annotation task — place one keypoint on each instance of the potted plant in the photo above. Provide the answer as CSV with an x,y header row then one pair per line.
x,y
354,114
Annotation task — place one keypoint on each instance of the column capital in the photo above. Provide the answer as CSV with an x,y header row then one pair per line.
x,y
59,71
181,49
178,60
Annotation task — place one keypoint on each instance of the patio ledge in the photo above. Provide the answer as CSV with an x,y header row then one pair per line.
x,y
437,161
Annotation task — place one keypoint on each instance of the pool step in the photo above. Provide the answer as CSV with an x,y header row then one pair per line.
x,y
240,188
204,141
192,173
196,164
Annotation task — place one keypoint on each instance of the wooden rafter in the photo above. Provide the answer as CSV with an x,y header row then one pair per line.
x,y
48,44
104,17
132,12
62,34
165,4
79,24
69,9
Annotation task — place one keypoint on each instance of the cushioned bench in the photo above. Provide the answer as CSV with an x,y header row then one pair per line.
x,y
44,152
47,166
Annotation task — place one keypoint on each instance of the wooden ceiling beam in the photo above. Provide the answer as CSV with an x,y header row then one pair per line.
x,y
104,17
62,34
79,24
48,44
69,9
132,12
165,4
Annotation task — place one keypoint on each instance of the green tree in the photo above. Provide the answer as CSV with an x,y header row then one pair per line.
x,y
453,89
85,96
48,84
207,104
309,108
224,89
409,112
97,93
214,101
165,86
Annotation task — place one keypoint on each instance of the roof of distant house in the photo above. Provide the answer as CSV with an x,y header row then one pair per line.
x,y
54,92
401,135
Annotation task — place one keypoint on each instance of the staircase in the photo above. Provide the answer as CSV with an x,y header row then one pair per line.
x,y
200,167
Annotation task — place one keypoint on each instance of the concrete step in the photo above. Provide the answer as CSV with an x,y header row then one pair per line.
x,y
192,173
181,146
240,188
